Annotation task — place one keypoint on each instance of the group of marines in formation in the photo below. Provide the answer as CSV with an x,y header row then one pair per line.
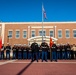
x,y
36,52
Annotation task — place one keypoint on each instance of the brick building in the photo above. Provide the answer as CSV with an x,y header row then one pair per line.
x,y
25,32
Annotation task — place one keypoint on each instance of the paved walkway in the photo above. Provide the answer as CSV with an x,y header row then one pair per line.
x,y
26,67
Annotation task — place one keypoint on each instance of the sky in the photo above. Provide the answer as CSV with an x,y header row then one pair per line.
x,y
31,10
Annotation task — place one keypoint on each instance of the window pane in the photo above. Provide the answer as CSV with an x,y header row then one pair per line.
x,y
24,34
33,34
59,33
40,33
74,33
51,33
10,34
67,33
17,34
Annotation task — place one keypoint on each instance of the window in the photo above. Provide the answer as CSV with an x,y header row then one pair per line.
x,y
59,33
40,33
24,34
10,34
33,33
17,34
74,33
67,33
51,33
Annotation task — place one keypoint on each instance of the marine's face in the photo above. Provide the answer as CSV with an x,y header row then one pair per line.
x,y
34,41
44,41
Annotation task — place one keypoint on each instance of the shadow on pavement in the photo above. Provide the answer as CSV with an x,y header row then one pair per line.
x,y
24,69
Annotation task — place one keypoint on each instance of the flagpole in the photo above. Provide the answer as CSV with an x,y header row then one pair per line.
x,y
42,22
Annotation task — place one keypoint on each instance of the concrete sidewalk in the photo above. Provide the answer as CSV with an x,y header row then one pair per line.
x,y
26,67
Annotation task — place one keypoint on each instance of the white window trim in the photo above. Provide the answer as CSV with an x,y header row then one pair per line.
x,y
69,33
61,31
12,33
51,30
26,34
15,33
73,34
41,30
31,32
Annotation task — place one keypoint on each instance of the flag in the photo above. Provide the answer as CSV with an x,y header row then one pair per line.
x,y
44,12
51,42
0,43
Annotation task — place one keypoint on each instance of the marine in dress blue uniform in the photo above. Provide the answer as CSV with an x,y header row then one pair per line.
x,y
2,51
8,48
14,51
35,50
44,46
24,52
54,52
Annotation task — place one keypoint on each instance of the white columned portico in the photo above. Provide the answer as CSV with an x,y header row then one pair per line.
x,y
39,39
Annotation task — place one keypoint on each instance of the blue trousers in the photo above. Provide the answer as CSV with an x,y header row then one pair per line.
x,y
54,55
39,54
2,55
35,54
14,54
58,55
64,55
44,55
7,54
29,55
19,55
68,54
24,55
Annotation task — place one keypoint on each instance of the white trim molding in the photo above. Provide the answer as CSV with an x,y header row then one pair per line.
x,y
37,22
41,27
3,32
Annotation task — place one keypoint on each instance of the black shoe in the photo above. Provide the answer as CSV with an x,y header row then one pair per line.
x,y
51,60
46,60
56,60
31,60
